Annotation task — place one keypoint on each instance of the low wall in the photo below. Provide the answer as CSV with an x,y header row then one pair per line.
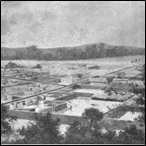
x,y
60,107
23,114
47,109
107,99
81,94
64,119
105,123
67,97
31,116
92,86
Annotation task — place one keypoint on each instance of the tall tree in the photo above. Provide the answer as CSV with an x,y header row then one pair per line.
x,y
93,115
140,92
45,131
6,120
6,125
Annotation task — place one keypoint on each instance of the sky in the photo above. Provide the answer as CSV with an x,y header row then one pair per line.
x,y
49,24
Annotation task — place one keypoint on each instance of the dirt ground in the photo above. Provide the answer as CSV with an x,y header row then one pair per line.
x,y
82,66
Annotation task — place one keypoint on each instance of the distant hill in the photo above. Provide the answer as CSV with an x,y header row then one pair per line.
x,y
88,51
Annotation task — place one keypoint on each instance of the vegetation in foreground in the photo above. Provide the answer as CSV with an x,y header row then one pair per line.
x,y
46,131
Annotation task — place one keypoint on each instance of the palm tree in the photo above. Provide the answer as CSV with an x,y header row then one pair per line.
x,y
93,115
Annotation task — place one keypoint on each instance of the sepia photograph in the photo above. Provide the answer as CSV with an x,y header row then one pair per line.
x,y
72,72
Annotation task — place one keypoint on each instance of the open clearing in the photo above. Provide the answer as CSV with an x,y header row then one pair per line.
x,y
72,67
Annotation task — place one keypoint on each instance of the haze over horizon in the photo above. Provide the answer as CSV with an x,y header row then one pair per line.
x,y
49,24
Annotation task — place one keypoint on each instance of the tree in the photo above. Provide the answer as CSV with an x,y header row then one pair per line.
x,y
45,131
93,115
38,66
131,135
140,92
6,120
78,134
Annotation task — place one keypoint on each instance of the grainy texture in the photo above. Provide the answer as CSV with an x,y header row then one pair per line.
x,y
76,65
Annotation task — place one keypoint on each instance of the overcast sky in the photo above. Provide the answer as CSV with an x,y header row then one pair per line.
x,y
72,23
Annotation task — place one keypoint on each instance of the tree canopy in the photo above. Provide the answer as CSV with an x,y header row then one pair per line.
x,y
44,131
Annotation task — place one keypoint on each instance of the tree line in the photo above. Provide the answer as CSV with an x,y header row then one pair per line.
x,y
75,53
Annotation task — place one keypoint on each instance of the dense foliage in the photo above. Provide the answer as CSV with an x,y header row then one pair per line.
x,y
6,124
12,65
93,115
74,53
141,94
78,134
6,120
45,131
38,66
